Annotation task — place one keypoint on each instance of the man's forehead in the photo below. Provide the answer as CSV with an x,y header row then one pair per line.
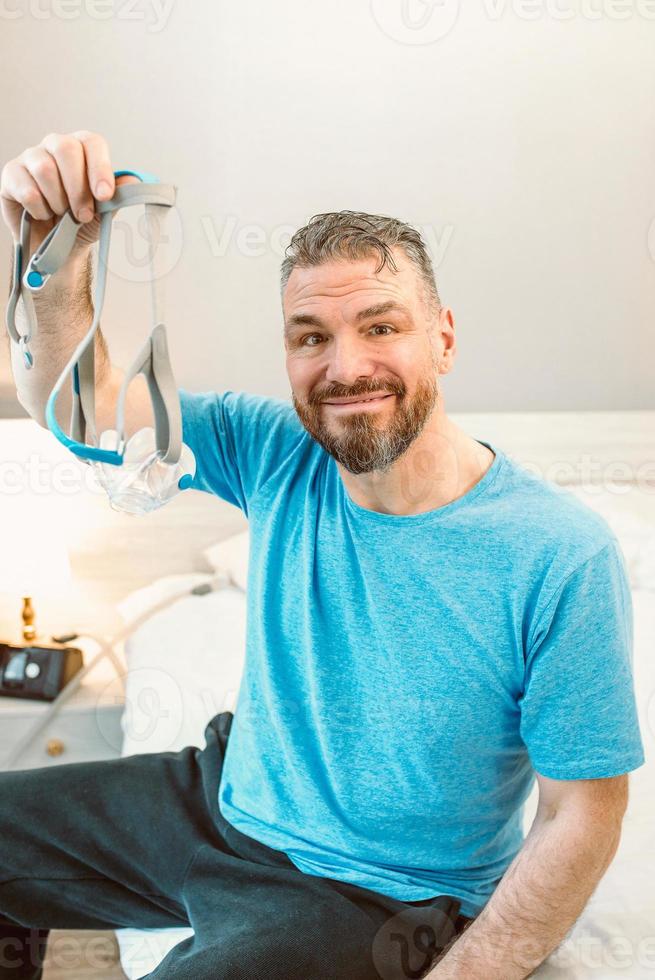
x,y
351,286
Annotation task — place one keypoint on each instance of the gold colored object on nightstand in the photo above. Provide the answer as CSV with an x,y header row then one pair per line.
x,y
54,746
29,615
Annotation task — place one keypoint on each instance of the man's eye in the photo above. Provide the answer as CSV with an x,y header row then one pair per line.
x,y
377,326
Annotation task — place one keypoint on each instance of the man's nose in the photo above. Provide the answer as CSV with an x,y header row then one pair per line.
x,y
348,360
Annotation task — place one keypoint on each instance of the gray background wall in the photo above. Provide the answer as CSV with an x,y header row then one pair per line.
x,y
520,136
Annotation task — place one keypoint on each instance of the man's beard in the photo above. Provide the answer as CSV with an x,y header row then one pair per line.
x,y
360,441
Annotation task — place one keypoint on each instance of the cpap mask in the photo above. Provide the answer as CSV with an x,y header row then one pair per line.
x,y
153,465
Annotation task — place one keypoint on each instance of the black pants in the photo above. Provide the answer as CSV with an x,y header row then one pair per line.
x,y
140,842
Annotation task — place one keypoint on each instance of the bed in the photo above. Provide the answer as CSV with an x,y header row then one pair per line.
x,y
605,459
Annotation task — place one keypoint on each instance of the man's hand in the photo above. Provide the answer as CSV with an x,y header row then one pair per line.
x,y
64,171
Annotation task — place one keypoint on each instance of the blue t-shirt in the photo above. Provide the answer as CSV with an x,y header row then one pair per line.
x,y
405,675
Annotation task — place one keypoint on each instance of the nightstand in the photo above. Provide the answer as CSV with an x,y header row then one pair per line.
x,y
86,727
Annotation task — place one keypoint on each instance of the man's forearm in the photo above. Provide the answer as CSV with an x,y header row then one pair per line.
x,y
64,313
536,902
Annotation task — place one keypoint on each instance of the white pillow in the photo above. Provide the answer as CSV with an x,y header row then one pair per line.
x,y
138,602
231,556
184,666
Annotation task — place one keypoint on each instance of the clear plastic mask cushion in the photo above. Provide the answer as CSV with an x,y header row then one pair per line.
x,y
143,482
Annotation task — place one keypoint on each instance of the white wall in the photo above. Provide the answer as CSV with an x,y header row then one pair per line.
x,y
525,147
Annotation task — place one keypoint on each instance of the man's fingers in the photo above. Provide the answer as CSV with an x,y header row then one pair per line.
x,y
44,173
69,155
100,174
18,191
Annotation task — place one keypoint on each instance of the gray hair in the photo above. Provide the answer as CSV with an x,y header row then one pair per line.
x,y
354,235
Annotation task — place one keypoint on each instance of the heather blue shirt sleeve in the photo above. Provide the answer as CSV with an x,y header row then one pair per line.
x,y
578,711
238,439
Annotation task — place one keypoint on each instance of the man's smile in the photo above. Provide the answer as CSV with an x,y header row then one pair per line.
x,y
365,403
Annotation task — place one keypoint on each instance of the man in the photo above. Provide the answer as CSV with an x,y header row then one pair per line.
x,y
430,628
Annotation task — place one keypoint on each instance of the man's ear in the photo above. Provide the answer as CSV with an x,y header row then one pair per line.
x,y
445,339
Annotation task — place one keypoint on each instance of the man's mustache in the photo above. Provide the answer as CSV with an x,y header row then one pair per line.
x,y
388,388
